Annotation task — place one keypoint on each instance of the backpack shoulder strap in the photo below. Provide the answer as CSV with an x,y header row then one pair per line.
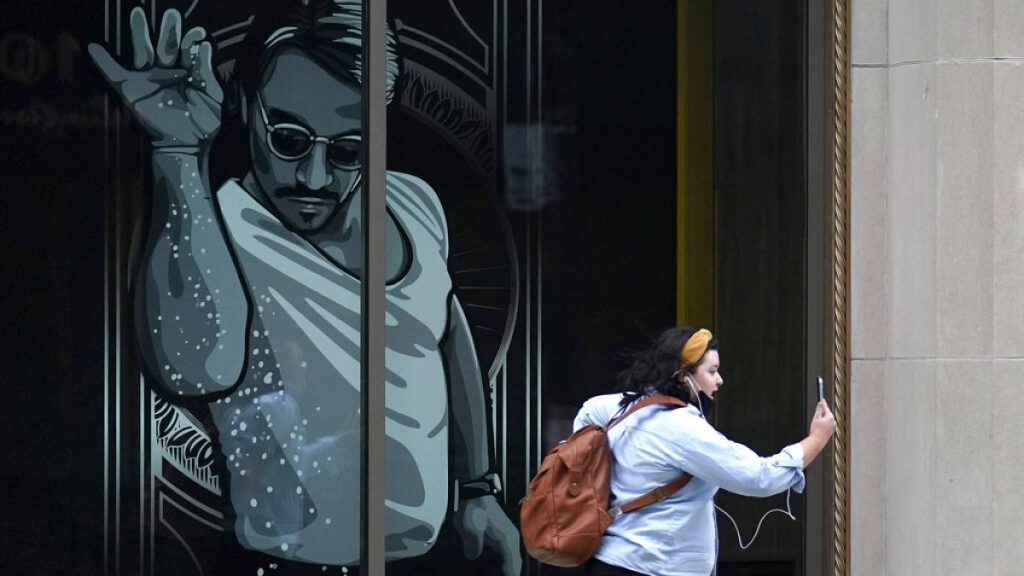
x,y
656,495
665,490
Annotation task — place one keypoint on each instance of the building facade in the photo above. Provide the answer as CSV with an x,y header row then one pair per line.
x,y
936,287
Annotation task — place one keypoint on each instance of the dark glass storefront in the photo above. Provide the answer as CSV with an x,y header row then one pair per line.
x,y
534,235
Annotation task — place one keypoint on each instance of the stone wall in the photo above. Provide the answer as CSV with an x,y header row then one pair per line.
x,y
937,415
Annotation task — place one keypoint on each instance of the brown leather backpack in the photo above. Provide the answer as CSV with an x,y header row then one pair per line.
x,y
565,511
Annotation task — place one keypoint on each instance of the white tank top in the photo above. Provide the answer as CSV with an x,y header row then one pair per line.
x,y
290,432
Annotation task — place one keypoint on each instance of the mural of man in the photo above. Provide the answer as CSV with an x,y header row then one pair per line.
x,y
249,295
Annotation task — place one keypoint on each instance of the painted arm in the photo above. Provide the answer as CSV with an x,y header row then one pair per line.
x,y
479,521
191,311
471,458
190,308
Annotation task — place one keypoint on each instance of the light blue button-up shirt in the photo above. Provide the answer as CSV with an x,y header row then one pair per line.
x,y
677,536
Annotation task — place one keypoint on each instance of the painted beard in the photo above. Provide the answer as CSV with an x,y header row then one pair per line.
x,y
304,209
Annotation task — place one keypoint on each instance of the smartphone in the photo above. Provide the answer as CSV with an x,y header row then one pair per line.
x,y
821,388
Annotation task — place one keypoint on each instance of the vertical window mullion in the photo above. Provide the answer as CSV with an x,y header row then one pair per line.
x,y
372,308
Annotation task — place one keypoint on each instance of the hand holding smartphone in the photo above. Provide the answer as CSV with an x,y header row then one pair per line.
x,y
823,424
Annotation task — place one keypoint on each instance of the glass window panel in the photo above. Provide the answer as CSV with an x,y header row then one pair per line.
x,y
583,185
232,422
452,305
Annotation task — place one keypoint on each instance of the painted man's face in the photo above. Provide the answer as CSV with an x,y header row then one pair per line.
x,y
305,140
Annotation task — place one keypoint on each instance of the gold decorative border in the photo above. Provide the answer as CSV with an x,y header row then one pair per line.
x,y
838,299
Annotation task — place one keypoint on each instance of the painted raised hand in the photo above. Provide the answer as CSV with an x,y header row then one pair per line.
x,y
171,89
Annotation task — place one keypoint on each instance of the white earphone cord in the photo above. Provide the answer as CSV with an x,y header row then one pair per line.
x,y
788,512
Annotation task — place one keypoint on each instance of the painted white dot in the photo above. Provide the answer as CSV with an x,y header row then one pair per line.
x,y
252,502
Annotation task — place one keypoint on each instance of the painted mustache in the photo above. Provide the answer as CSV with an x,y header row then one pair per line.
x,y
305,195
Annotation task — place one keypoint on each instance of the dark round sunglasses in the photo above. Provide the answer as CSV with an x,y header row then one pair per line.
x,y
293,141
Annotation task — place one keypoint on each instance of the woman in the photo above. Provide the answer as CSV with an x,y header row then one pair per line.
x,y
658,444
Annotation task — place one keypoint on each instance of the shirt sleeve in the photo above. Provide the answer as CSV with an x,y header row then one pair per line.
x,y
583,417
707,454
597,410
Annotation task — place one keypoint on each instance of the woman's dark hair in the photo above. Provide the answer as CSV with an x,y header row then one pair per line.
x,y
655,370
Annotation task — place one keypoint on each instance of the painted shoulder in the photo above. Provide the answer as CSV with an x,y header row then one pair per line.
x,y
410,197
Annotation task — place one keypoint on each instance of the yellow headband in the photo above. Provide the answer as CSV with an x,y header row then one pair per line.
x,y
694,348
